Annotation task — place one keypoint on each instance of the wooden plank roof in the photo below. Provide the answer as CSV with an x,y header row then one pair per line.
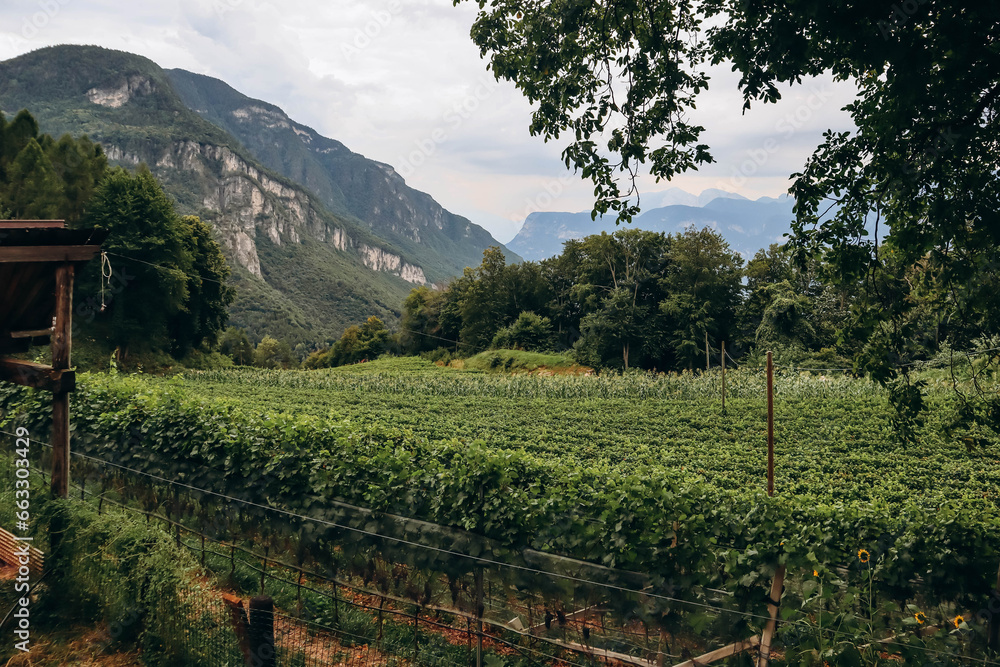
x,y
30,251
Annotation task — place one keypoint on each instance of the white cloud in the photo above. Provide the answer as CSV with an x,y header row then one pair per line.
x,y
390,77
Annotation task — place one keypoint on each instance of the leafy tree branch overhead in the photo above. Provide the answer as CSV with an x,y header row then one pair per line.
x,y
616,81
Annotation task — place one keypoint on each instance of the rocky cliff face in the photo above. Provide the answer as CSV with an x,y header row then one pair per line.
x,y
118,96
247,202
346,183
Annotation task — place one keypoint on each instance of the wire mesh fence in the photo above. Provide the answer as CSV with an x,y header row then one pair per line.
x,y
340,616
348,602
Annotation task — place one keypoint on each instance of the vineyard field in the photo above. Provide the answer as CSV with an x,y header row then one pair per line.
x,y
422,469
833,434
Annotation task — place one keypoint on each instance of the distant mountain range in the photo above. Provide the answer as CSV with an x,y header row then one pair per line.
x,y
320,237
748,225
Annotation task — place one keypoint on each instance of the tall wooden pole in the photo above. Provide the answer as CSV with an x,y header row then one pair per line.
x,y
62,340
770,425
723,376
708,359
777,584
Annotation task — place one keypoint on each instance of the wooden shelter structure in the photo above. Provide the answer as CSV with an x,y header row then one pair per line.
x,y
38,260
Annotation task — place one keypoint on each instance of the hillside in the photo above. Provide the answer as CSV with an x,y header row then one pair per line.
x,y
306,265
347,183
747,225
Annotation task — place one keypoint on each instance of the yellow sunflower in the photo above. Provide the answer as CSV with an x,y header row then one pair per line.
x,y
958,620
921,617
864,556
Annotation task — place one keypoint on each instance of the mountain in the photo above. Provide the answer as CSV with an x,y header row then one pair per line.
x,y
348,184
747,225
319,237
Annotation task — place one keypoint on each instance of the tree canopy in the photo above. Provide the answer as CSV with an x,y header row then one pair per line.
x,y
167,288
41,178
629,299
616,79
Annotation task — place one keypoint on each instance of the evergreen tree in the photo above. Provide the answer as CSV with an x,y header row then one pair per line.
x,y
168,271
206,310
33,190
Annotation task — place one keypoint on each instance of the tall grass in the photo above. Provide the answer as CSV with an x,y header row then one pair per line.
x,y
748,384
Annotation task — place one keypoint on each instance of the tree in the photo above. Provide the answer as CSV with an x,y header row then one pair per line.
x,y
921,166
33,191
44,178
421,311
359,343
618,288
529,332
167,272
236,344
206,310
80,165
785,320
704,287
272,353
616,327
487,303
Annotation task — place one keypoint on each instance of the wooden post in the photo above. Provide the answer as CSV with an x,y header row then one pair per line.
x,y
263,569
61,347
770,425
479,616
723,376
262,632
777,585
708,359
238,617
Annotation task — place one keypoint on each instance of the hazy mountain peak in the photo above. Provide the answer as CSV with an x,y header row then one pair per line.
x,y
747,225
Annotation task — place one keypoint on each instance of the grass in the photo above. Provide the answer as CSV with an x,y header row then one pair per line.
x,y
519,361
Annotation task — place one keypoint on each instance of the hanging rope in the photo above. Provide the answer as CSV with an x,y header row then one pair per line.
x,y
106,274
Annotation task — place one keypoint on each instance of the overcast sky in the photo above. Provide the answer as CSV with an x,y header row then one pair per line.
x,y
400,81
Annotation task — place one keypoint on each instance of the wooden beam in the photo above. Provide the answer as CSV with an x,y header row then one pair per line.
x,y
720,653
602,653
51,253
37,376
37,333
10,548
62,343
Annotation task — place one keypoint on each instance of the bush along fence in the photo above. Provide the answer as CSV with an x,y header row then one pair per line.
x,y
646,568
115,566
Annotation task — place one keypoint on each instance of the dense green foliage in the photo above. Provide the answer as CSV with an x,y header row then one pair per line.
x,y
633,299
358,344
45,179
108,569
272,353
615,80
170,289
235,344
607,469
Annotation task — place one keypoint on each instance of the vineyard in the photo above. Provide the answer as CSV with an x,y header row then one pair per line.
x,y
619,506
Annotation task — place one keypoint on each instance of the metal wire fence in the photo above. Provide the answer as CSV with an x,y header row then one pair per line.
x,y
329,616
